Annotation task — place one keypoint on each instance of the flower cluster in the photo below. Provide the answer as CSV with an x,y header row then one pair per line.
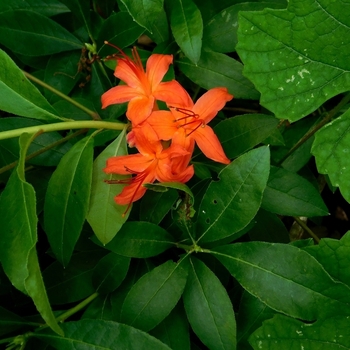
x,y
165,139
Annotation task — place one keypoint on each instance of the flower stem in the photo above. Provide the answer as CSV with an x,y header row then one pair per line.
x,y
317,127
77,308
81,124
88,111
307,229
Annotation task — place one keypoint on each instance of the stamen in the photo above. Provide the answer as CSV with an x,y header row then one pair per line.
x,y
136,57
185,111
134,63
189,116
139,178
200,124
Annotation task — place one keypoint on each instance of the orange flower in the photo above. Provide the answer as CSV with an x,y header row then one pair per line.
x,y
187,122
152,163
142,87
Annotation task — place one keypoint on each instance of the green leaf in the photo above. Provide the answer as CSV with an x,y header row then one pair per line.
x,y
73,283
67,199
268,228
249,131
209,308
269,270
160,29
282,332
70,111
163,186
105,216
232,202
62,73
187,27
110,272
154,295
100,309
81,9
19,96
252,312
138,267
297,58
144,12
330,149
173,330
334,256
289,194
39,35
155,205
44,7
101,335
120,30
138,239
220,33
18,222
216,69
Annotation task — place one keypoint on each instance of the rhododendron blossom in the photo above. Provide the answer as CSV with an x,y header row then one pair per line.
x,y
142,87
165,139
152,163
191,120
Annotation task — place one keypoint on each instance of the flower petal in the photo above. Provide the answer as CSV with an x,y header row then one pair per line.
x,y
156,67
139,108
130,193
209,104
146,130
135,190
127,71
163,124
147,148
173,94
210,145
123,164
118,94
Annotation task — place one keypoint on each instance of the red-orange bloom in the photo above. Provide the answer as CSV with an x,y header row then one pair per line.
x,y
152,163
188,122
142,87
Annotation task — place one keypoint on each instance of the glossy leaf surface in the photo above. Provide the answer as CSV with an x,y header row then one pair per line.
x,y
334,256
331,148
153,296
216,69
19,96
240,134
266,270
286,333
297,58
187,27
67,199
144,12
101,335
174,329
138,239
110,272
208,308
231,203
105,216
43,35
288,193
19,237
44,7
